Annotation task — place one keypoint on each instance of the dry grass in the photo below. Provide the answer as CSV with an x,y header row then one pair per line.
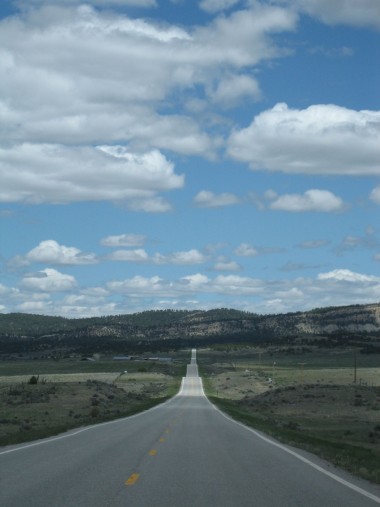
x,y
251,379
62,401
320,409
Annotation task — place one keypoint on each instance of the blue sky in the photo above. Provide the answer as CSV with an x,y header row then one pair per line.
x,y
189,154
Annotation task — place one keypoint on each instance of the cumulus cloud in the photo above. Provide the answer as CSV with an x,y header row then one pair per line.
x,y
138,286
194,282
137,255
49,173
192,256
246,250
51,252
49,280
34,307
226,265
233,89
188,257
207,199
129,240
345,275
322,139
41,292
74,75
311,200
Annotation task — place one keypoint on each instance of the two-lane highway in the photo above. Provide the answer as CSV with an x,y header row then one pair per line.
x,y
184,453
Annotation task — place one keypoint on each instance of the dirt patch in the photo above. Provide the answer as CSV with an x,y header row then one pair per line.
x,y
236,384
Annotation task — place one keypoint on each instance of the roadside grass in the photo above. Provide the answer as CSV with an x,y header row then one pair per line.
x,y
317,408
358,460
58,402
75,365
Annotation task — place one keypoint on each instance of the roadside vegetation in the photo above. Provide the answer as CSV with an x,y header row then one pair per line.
x,y
52,397
315,400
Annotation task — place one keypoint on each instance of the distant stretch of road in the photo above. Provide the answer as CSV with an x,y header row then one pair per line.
x,y
184,453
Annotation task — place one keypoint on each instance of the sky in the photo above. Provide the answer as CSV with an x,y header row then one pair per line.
x,y
189,154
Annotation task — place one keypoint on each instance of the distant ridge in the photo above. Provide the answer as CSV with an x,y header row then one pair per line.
x,y
20,330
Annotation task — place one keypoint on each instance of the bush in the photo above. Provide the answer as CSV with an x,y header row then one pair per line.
x,y
33,380
94,412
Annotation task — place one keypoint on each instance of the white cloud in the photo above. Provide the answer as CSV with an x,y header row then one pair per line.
x,y
49,280
235,284
41,292
350,12
311,200
74,76
34,307
375,195
195,282
322,139
246,250
124,240
138,255
345,275
149,205
241,39
234,89
224,265
49,173
51,252
139,286
207,199
183,258
192,256
217,5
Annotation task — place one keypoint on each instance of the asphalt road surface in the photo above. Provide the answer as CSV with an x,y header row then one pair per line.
x,y
184,453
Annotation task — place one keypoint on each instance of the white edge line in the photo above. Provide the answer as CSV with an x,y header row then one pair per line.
x,y
93,426
300,457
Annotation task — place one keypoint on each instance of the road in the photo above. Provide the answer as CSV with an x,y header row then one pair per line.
x,y
184,453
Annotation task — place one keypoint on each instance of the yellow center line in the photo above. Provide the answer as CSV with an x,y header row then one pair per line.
x,y
132,480
153,452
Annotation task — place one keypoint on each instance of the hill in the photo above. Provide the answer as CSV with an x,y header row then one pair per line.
x,y
155,330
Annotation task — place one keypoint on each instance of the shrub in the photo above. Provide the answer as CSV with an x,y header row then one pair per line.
x,y
94,412
33,380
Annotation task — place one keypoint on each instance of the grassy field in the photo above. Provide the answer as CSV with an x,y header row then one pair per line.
x,y
72,393
310,401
